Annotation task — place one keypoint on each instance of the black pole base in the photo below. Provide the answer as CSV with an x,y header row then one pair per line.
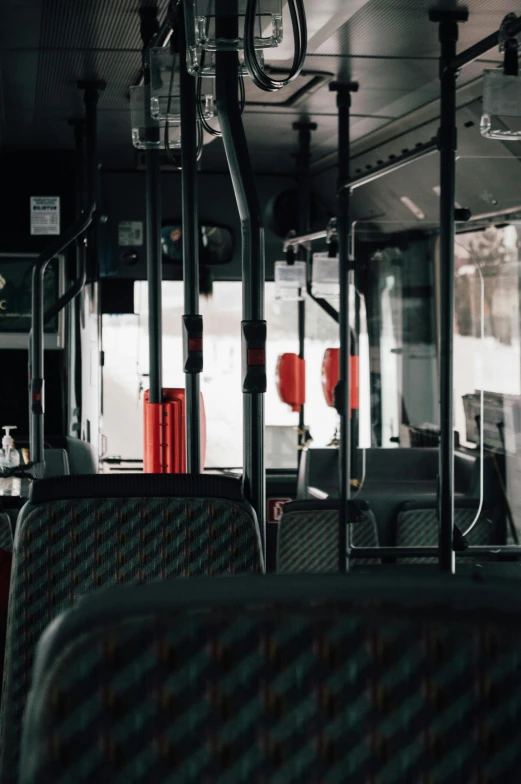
x,y
343,87
305,126
98,85
442,15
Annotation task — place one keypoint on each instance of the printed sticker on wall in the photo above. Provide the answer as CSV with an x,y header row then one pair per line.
x,y
45,215
275,508
130,233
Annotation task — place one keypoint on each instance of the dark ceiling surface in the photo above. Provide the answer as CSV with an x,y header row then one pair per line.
x,y
389,46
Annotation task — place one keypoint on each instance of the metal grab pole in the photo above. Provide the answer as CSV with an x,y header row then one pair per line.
x,y
304,219
154,274
150,29
81,261
343,390
36,337
192,320
253,264
37,382
447,144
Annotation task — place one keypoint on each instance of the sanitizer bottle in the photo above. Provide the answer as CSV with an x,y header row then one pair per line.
x,y
9,458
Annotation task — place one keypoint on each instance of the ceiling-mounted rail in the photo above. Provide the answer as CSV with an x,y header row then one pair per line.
x,y
510,29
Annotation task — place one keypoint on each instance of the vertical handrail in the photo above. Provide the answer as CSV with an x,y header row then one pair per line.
x,y
149,31
447,145
81,265
343,391
253,262
303,226
192,320
37,379
39,318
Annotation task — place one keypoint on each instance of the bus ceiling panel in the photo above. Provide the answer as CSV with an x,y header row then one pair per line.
x,y
20,23
386,198
389,107
488,186
374,72
19,73
50,130
60,71
96,24
401,28
272,143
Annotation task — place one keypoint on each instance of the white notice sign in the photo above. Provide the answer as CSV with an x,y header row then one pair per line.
x,y
130,233
45,214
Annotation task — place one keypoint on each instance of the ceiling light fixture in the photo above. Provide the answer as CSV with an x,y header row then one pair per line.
x,y
412,207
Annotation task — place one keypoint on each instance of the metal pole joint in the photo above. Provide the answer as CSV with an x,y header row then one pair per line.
x,y
92,90
447,138
254,335
193,344
343,91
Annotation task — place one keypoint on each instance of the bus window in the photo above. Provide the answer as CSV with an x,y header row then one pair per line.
x,y
487,360
125,341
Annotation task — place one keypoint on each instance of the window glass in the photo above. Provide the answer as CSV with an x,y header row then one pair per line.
x,y
398,279
126,370
487,286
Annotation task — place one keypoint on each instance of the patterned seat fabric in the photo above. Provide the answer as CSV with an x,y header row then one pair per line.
x,y
292,692
418,527
64,549
6,533
308,537
6,558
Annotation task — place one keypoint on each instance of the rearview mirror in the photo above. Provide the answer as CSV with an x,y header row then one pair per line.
x,y
216,244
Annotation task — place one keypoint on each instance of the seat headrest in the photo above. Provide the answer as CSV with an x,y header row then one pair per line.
x,y
136,486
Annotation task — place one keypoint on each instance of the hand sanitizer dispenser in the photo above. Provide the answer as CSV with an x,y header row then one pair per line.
x,y
9,458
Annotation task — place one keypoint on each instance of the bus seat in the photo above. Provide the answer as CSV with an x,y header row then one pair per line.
x,y
6,533
308,536
330,678
318,468
417,526
77,534
83,457
56,462
6,557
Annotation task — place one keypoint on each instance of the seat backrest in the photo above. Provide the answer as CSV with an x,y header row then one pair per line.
x,y
315,678
417,526
6,558
318,468
6,533
56,462
309,532
81,533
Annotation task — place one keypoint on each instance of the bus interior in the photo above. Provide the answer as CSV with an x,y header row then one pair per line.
x,y
260,340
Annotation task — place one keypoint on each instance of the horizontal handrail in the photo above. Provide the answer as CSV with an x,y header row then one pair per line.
x,y
432,552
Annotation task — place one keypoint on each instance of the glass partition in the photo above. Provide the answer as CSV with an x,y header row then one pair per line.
x,y
487,370
396,275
